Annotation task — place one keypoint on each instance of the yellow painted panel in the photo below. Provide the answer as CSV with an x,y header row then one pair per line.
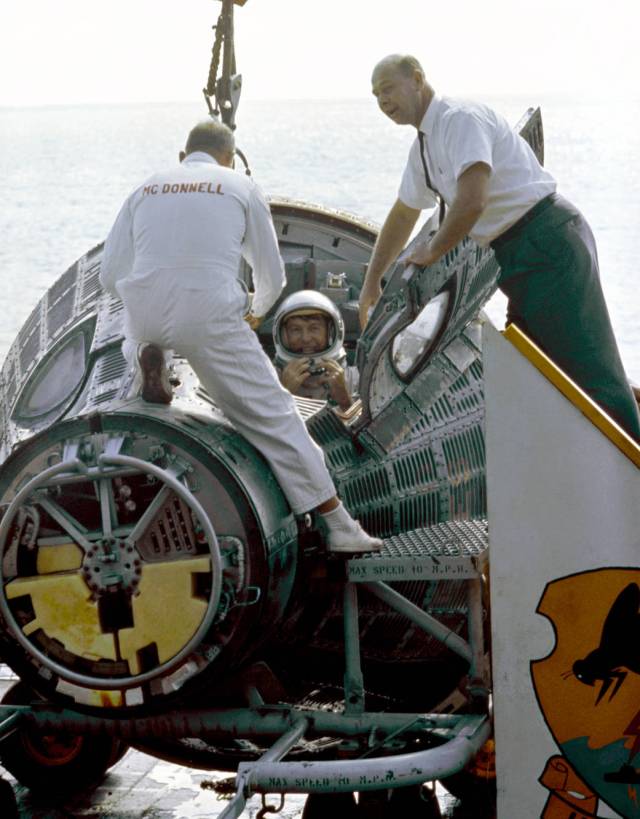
x,y
64,611
61,558
105,699
165,612
577,396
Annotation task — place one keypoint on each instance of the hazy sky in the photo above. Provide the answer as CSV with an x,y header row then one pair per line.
x,y
78,51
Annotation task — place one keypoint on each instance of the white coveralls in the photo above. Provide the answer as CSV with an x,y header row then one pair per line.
x,y
173,257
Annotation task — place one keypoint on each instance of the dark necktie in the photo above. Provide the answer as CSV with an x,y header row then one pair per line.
x,y
430,185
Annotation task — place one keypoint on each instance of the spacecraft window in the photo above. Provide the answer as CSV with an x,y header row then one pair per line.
x,y
411,344
55,380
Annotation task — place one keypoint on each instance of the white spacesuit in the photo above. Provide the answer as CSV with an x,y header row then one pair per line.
x,y
317,348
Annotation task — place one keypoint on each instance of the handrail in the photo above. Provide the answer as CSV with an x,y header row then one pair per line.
x,y
372,773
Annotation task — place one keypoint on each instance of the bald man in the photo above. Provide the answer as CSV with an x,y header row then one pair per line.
x,y
173,257
496,192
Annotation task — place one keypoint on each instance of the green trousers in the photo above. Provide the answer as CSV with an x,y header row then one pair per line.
x,y
549,272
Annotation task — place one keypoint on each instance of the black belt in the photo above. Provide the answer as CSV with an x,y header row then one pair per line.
x,y
529,216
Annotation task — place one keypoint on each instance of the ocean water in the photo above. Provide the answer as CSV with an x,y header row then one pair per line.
x,y
66,170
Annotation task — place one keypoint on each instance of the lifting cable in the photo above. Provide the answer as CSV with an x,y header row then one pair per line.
x,y
219,89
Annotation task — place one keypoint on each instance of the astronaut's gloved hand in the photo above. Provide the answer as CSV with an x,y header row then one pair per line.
x,y
295,374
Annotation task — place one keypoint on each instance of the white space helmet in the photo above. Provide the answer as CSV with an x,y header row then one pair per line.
x,y
305,302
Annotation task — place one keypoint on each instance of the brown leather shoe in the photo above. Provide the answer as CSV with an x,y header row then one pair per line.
x,y
155,380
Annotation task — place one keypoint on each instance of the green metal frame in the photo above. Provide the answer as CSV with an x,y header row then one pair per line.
x,y
458,737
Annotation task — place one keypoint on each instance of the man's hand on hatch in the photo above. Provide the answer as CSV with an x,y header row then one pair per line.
x,y
369,297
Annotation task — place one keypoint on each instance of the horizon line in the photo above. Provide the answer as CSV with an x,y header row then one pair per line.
x,y
584,95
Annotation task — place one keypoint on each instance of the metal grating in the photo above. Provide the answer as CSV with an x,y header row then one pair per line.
x,y
468,538
60,312
60,287
11,384
325,427
111,366
30,341
484,280
418,510
171,534
467,498
442,412
90,286
463,397
203,395
448,552
378,520
105,397
464,451
415,469
339,455
331,434
114,306
308,407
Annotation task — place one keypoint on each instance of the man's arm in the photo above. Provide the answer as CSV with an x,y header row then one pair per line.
x,y
118,253
393,236
261,251
469,203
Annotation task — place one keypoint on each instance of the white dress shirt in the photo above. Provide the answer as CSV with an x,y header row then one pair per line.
x,y
457,135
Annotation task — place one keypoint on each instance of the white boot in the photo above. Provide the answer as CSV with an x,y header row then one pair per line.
x,y
345,535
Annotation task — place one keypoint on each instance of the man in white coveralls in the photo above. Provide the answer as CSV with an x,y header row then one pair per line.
x,y
173,257
497,192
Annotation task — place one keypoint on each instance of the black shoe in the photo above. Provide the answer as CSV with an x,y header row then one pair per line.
x,y
155,381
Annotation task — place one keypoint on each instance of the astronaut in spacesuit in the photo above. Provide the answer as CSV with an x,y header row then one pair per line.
x,y
173,257
308,336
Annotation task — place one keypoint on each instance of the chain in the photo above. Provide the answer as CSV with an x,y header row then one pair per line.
x,y
265,809
210,90
223,86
